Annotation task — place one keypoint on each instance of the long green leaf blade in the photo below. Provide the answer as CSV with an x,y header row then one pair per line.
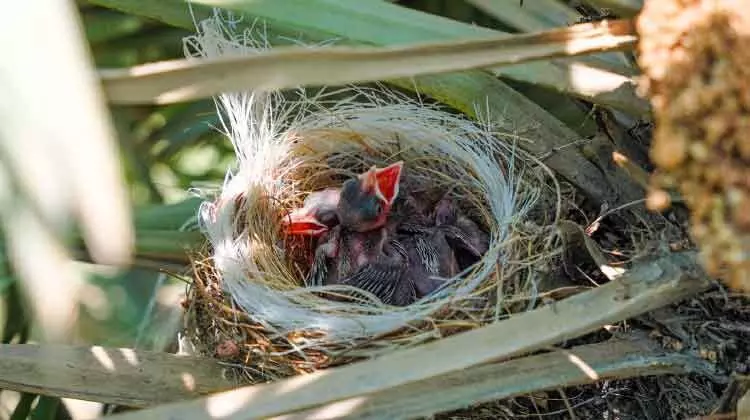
x,y
354,21
289,67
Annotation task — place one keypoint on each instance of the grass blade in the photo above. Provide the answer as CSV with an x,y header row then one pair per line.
x,y
539,15
158,246
166,216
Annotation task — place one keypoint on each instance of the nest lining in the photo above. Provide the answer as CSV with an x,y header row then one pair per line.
x,y
248,289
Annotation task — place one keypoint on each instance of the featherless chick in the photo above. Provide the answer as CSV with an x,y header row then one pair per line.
x,y
355,246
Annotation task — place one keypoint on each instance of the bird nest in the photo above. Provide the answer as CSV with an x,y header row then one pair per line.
x,y
248,303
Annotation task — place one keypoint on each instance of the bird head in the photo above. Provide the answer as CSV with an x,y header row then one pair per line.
x,y
360,205
366,200
316,216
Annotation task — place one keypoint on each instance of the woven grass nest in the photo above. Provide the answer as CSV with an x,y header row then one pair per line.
x,y
247,304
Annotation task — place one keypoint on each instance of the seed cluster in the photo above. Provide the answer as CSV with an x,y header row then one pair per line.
x,y
695,57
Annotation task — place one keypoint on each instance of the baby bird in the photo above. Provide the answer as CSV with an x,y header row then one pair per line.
x,y
367,200
358,251
467,239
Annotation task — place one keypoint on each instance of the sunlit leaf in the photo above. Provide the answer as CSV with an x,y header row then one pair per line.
x,y
358,22
287,67
539,15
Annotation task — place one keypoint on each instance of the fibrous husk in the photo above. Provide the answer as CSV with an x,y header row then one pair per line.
x,y
247,303
695,56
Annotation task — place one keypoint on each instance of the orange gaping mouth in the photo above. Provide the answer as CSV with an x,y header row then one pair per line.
x,y
384,182
299,222
388,180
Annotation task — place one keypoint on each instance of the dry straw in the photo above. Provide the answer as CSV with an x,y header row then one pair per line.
x,y
247,303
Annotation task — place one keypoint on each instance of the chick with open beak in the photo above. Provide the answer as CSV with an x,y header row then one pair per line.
x,y
354,245
316,216
398,257
360,205
365,201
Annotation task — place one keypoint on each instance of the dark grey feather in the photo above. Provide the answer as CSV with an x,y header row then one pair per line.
x,y
414,228
319,270
324,269
428,254
384,280
458,237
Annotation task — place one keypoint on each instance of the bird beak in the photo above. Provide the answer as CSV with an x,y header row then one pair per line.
x,y
369,182
299,222
387,181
